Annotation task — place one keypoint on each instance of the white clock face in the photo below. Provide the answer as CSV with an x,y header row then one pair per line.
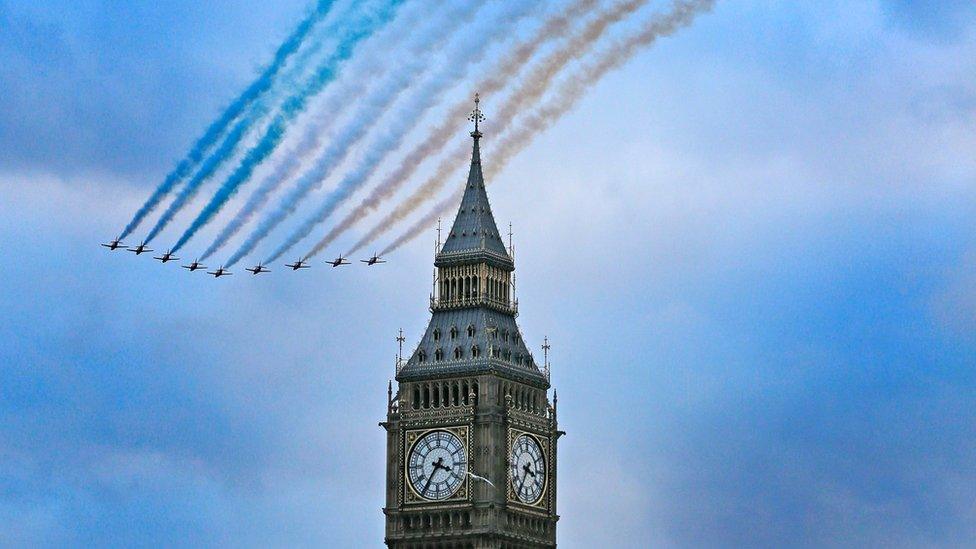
x,y
437,465
528,469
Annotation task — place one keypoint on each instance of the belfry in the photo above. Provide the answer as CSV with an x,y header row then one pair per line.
x,y
471,432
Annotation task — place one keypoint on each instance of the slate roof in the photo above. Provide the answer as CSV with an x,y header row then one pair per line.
x,y
500,346
474,228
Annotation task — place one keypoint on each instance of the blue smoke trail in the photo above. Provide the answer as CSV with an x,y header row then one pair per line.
x,y
470,51
370,110
294,105
219,126
353,84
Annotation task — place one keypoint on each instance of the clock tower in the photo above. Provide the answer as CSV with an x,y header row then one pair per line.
x,y
471,432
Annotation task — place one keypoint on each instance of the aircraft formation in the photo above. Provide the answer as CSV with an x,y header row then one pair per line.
x,y
335,125
222,271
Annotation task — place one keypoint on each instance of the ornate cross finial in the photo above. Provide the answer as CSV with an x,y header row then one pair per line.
x,y
545,351
476,116
400,339
511,250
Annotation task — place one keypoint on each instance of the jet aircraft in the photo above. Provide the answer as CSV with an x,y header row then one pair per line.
x,y
259,269
168,256
373,260
114,245
300,264
140,249
220,272
338,261
194,266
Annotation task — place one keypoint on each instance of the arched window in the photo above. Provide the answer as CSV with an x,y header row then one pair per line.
x,y
454,332
505,335
439,354
471,330
437,334
422,356
458,353
475,351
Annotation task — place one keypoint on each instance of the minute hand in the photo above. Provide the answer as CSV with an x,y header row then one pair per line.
x,y
426,486
524,476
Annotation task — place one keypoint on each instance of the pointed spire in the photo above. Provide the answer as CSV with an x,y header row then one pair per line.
x,y
474,228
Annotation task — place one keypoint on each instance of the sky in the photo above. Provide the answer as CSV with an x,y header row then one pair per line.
x,y
752,248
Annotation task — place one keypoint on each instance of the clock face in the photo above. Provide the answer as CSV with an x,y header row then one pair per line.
x,y
437,465
528,469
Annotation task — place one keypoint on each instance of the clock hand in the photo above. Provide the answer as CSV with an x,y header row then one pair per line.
x,y
426,486
521,484
437,465
528,470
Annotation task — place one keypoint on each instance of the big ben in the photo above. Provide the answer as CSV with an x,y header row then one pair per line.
x,y
471,431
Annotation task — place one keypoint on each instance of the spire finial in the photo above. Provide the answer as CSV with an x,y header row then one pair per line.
x,y
511,250
400,339
476,116
545,350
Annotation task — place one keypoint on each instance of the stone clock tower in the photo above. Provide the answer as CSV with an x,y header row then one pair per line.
x,y
471,433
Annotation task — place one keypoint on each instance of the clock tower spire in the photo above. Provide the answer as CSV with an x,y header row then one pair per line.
x,y
471,433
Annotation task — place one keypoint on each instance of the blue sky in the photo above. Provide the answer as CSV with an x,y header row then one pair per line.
x,y
752,248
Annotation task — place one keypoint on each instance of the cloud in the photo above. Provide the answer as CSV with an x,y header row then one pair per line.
x,y
752,251
939,22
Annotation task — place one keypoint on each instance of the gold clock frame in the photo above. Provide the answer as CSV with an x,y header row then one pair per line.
x,y
410,496
543,442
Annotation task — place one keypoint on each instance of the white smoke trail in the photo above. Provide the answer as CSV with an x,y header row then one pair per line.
x,y
504,70
366,22
370,110
367,65
470,50
269,78
530,89
682,14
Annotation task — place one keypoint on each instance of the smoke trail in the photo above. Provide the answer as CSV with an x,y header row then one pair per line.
x,y
463,55
682,14
219,126
555,27
353,85
531,88
233,138
292,107
369,111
